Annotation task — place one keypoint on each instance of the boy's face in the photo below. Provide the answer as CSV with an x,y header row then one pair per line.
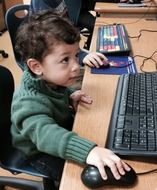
x,y
61,67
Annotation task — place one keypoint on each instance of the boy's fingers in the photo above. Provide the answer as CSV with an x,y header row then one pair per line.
x,y
102,171
86,99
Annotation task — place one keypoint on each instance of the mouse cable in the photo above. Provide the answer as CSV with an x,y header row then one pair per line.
x,y
140,33
150,57
146,59
147,172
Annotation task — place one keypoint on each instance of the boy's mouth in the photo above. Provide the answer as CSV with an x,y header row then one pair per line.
x,y
74,78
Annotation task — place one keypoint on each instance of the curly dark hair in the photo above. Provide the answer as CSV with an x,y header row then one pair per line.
x,y
37,36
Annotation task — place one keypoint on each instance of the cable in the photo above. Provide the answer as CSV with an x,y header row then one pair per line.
x,y
140,33
146,59
147,172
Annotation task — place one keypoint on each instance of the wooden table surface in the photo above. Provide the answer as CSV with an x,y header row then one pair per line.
x,y
92,120
112,9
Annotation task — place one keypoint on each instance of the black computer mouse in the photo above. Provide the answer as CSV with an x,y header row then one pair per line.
x,y
91,177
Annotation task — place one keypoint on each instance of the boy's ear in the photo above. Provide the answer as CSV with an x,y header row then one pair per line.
x,y
35,66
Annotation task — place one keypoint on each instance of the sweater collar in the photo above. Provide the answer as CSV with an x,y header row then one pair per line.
x,y
32,82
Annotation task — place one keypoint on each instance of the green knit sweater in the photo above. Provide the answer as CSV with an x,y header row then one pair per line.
x,y
42,121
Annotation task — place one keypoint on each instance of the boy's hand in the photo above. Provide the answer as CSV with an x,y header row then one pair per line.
x,y
101,157
78,96
94,59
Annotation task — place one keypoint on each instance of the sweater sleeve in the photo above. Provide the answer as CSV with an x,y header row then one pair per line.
x,y
34,127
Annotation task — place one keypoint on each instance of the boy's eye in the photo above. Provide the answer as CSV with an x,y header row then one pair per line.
x,y
65,60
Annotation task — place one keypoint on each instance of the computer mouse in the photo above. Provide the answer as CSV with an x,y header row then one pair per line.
x,y
91,177
106,64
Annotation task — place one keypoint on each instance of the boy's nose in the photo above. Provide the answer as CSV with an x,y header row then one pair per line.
x,y
76,66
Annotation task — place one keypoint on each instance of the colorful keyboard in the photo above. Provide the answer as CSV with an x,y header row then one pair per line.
x,y
113,39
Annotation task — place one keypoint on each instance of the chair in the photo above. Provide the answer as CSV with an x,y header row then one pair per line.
x,y
75,13
12,159
14,16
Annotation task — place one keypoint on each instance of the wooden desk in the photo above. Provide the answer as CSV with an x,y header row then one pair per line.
x,y
92,120
112,10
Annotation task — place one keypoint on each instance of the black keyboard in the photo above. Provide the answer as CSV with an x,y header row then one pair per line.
x,y
133,124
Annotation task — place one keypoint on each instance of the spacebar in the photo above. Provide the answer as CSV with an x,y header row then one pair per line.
x,y
122,146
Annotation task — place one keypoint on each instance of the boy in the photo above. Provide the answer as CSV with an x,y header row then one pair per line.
x,y
43,107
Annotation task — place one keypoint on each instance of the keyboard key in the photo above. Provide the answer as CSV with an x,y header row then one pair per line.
x,y
122,146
